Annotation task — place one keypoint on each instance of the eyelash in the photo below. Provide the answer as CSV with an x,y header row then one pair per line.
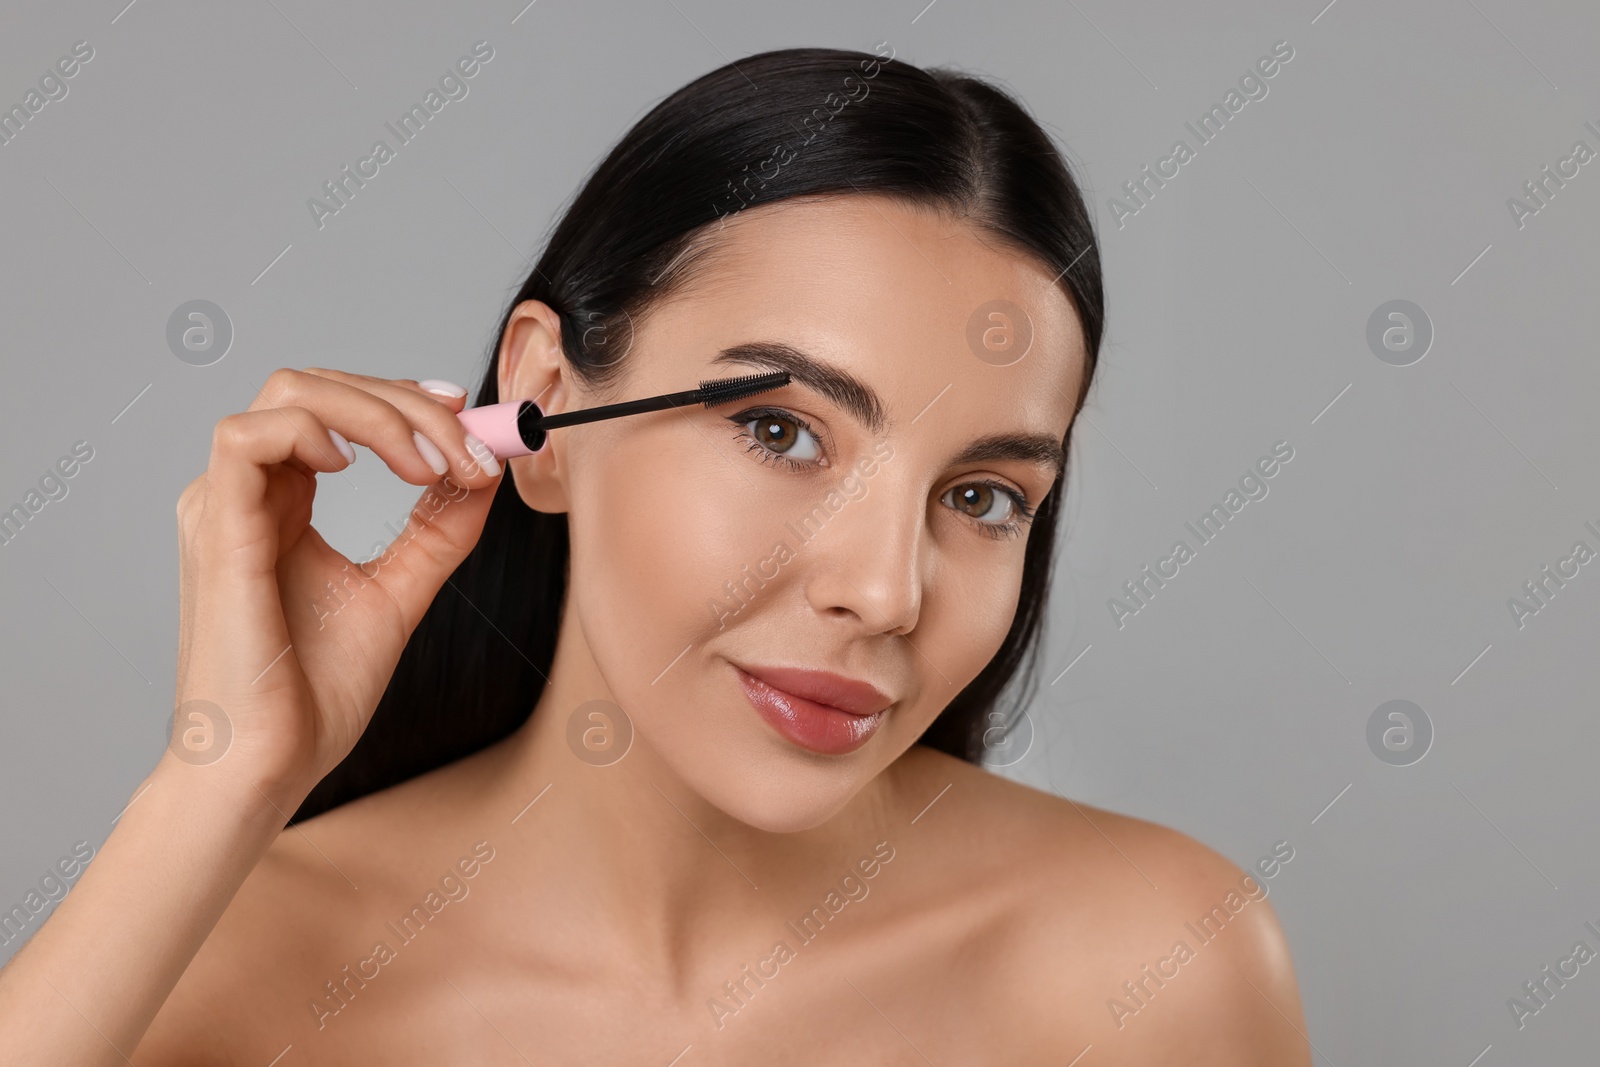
x,y
996,530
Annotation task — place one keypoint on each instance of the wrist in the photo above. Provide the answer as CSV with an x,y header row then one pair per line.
x,y
252,801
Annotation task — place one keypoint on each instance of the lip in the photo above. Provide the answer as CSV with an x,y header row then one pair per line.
x,y
819,711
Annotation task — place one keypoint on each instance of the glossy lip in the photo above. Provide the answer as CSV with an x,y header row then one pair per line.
x,y
819,711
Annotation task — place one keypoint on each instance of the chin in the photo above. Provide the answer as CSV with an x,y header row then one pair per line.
x,y
764,783
789,801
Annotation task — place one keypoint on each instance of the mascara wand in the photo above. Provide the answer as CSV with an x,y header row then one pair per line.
x,y
519,428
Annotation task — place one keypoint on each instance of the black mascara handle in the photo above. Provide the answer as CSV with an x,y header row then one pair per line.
x,y
533,425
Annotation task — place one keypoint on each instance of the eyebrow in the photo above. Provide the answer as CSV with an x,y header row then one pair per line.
x,y
858,398
1027,447
845,390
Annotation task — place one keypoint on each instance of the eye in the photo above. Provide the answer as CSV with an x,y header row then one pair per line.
x,y
778,436
998,509
781,437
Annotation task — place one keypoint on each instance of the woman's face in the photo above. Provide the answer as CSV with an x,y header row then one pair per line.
x,y
712,547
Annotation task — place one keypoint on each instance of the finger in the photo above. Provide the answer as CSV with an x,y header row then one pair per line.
x,y
243,445
421,444
442,528
448,393
468,462
235,624
437,392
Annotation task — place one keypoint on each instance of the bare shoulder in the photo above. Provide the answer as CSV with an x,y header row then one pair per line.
x,y
252,987
1116,931
291,902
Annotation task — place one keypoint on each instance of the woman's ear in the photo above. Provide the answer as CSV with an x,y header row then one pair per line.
x,y
533,367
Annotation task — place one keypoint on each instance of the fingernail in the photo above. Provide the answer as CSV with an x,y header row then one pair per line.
x,y
343,446
442,387
430,453
483,455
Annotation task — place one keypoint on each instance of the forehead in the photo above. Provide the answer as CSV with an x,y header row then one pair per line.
x,y
918,303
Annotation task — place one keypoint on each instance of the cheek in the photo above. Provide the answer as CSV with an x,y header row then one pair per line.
x,y
658,527
966,614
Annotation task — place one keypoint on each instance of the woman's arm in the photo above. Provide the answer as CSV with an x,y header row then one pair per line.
x,y
289,684
88,984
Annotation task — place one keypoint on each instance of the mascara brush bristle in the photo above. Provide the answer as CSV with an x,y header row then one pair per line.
x,y
727,390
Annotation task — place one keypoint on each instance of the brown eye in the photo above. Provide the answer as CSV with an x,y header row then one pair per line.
x,y
777,434
983,502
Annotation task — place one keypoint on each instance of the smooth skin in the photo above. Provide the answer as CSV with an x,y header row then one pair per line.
x,y
607,907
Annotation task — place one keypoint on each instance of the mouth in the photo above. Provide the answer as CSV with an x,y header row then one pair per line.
x,y
816,710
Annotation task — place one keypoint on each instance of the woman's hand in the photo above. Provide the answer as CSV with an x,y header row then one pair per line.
x,y
285,646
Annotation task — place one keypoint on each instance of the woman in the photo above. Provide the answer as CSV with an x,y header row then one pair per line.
x,y
670,734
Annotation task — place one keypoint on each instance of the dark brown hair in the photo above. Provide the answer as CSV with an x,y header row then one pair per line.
x,y
789,123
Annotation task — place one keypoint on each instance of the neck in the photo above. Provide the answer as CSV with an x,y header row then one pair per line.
x,y
662,878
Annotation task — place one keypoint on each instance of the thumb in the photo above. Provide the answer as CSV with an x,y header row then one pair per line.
x,y
443,526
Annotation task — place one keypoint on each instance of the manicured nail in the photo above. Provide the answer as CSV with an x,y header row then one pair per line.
x,y
442,387
343,446
483,455
430,453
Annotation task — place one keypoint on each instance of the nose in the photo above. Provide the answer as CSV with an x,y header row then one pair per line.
x,y
868,559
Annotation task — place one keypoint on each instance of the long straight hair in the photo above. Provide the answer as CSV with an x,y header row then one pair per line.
x,y
788,123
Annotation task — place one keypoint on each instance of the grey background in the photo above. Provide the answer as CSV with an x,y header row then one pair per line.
x,y
1233,707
